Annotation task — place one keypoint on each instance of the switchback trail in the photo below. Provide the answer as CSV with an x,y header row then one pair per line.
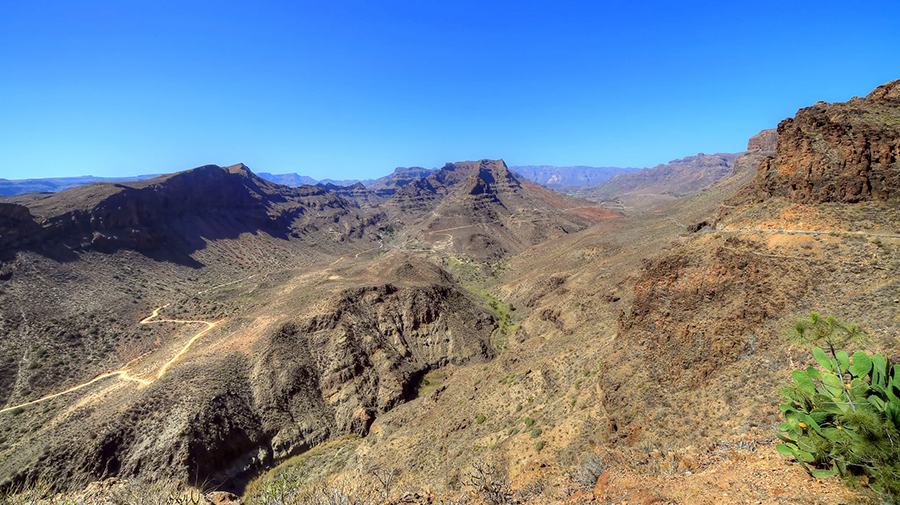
x,y
123,374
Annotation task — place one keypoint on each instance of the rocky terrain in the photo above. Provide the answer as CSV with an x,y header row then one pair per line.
x,y
471,325
273,382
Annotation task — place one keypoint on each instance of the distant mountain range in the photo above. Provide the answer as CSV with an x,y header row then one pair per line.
x,y
623,188
563,178
556,178
57,184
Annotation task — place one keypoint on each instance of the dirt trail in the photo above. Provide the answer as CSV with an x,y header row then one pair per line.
x,y
124,373
807,232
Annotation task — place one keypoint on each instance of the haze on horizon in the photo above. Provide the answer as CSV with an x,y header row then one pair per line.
x,y
354,89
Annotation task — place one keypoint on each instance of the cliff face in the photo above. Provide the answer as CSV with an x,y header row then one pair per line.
x,y
840,152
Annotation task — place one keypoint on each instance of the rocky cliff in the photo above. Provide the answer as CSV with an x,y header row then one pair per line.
x,y
837,152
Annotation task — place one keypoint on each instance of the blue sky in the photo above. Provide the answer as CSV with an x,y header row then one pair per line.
x,y
347,89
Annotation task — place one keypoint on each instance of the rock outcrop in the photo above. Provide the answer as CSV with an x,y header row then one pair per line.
x,y
840,152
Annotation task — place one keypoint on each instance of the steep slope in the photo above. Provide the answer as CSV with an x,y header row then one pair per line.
x,y
704,332
481,210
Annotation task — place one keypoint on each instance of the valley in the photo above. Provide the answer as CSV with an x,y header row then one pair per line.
x,y
623,343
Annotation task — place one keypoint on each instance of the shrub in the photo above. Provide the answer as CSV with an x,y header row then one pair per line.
x,y
539,445
591,468
480,419
536,432
489,483
529,422
844,416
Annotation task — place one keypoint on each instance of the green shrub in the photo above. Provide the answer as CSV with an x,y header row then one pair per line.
x,y
536,432
480,419
529,422
518,407
539,445
843,417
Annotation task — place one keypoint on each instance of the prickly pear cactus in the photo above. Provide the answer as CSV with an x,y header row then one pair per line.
x,y
843,418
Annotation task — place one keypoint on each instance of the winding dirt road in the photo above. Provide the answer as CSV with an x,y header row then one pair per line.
x,y
123,374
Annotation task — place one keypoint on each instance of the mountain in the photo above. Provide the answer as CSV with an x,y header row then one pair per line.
x,y
640,190
296,180
55,184
707,321
174,215
401,176
482,210
563,178
293,180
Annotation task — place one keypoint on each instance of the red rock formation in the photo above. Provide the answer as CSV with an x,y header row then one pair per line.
x,y
840,152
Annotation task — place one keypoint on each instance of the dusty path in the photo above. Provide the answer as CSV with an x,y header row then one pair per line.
x,y
123,374
807,232
381,246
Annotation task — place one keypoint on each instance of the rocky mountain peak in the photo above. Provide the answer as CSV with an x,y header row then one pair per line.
x,y
763,141
886,92
239,168
837,152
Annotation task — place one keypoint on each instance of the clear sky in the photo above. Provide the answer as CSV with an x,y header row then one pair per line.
x,y
352,89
